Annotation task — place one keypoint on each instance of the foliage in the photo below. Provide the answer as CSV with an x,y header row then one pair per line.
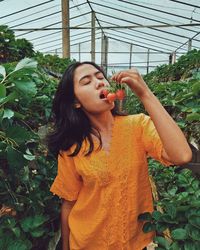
x,y
53,63
179,197
180,70
12,49
27,169
181,99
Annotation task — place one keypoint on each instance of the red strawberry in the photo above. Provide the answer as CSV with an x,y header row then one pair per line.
x,y
111,97
105,92
120,93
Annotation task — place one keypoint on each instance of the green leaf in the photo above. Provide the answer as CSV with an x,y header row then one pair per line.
x,y
145,217
19,115
189,245
31,223
29,157
26,87
17,245
11,222
15,159
12,96
16,231
174,246
173,190
8,113
193,117
171,210
37,233
2,91
2,71
26,63
162,242
161,227
196,87
18,134
179,234
148,227
194,220
195,203
25,174
168,219
193,232
183,208
156,215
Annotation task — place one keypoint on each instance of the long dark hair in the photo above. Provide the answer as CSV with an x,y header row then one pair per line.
x,y
71,125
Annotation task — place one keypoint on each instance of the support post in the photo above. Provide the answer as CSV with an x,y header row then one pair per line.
x,y
130,60
173,57
148,55
79,52
170,58
104,53
93,37
65,28
189,44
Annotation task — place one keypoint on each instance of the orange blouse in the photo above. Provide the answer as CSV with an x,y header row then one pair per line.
x,y
111,190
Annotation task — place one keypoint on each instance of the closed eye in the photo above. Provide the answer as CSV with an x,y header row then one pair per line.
x,y
100,77
86,83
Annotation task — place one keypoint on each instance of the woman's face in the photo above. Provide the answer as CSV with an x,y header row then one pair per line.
x,y
88,85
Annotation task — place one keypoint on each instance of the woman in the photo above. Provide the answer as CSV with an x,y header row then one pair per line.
x,y
102,159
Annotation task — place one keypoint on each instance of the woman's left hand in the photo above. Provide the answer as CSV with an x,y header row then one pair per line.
x,y
134,80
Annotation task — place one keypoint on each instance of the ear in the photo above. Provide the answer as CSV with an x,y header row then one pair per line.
x,y
77,104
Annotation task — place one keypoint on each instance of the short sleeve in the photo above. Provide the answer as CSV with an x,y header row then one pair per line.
x,y
151,140
68,182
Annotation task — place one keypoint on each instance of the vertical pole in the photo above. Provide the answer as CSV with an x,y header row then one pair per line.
x,y
65,28
102,48
104,53
130,60
79,52
173,57
148,55
189,44
93,37
170,58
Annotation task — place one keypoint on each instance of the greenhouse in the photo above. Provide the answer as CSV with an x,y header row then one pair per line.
x,y
142,58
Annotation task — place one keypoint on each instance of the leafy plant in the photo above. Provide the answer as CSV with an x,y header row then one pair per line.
x,y
179,197
12,49
27,170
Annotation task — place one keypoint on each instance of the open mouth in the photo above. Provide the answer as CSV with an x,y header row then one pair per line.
x,y
103,94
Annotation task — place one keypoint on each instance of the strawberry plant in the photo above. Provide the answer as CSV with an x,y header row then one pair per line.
x,y
12,49
180,70
179,197
28,213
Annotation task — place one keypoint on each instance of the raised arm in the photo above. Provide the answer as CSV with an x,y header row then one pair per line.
x,y
176,148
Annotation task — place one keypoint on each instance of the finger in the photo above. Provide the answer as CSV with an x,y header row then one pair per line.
x,y
120,76
126,80
114,77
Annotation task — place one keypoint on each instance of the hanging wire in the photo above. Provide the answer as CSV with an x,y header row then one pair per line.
x,y
34,6
15,20
129,13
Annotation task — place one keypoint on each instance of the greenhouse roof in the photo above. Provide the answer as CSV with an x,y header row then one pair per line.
x,y
140,33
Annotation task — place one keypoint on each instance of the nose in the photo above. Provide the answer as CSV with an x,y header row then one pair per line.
x,y
100,84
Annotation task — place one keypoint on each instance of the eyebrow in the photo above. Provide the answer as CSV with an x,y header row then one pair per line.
x,y
86,76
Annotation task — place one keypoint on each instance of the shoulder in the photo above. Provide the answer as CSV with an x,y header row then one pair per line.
x,y
133,120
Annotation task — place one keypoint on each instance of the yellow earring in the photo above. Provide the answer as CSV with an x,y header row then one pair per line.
x,y
77,105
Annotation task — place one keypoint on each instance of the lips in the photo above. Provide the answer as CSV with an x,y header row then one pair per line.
x,y
103,94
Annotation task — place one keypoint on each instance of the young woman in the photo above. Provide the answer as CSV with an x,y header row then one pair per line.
x,y
102,159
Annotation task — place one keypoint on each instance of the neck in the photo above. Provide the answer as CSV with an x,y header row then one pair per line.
x,y
103,122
